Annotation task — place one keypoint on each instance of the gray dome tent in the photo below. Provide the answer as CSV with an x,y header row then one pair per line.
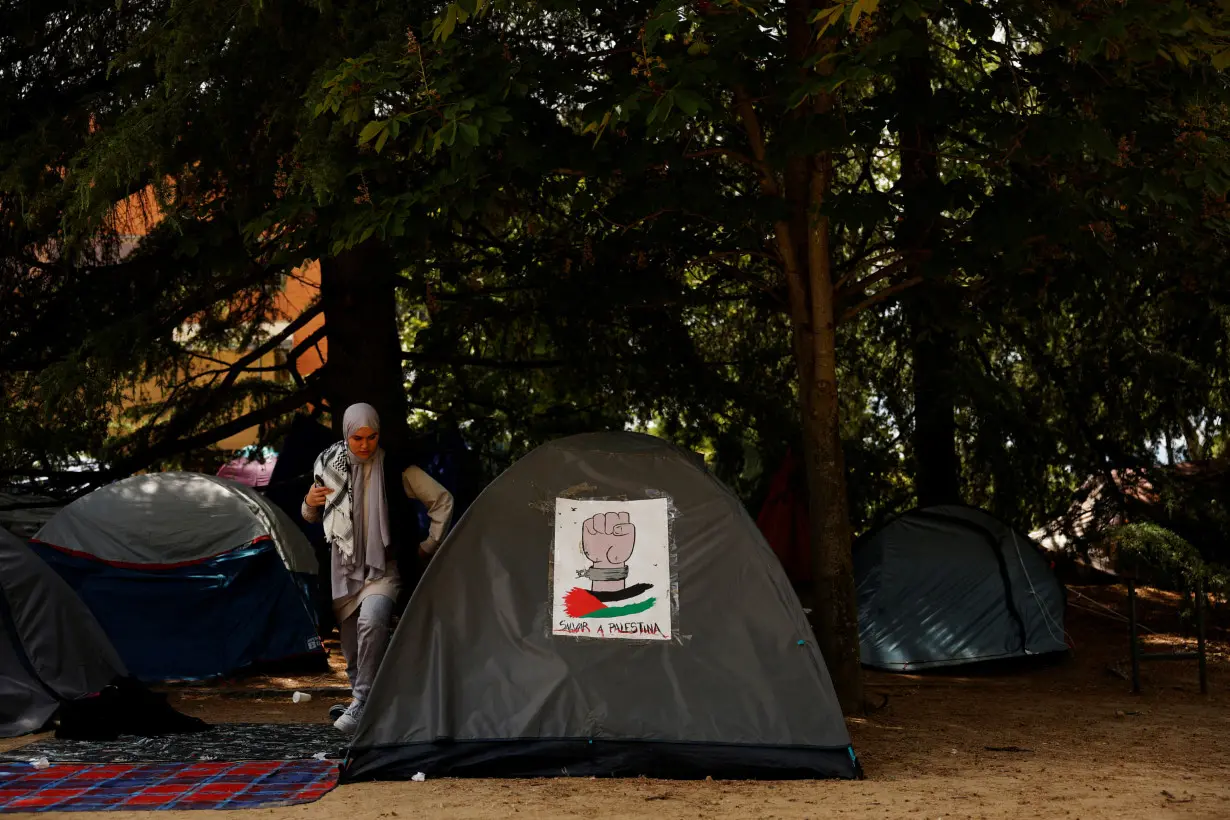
x,y
690,658
952,585
51,648
167,519
191,576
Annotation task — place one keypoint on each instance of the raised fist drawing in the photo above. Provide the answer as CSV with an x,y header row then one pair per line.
x,y
608,540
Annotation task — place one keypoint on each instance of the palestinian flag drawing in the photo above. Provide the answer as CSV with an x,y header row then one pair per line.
x,y
584,603
604,584
607,541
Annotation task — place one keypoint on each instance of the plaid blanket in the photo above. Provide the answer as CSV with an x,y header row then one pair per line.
x,y
157,786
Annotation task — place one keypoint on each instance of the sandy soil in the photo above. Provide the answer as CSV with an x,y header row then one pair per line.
x,y
1082,747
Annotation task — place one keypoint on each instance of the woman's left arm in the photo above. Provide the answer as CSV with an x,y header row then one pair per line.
x,y
437,500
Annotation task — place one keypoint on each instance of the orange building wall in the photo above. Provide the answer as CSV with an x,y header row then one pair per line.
x,y
133,219
136,215
301,290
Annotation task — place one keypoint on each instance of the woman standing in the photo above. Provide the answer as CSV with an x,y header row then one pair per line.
x,y
367,522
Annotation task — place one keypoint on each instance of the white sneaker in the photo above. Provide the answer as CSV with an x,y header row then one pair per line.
x,y
348,723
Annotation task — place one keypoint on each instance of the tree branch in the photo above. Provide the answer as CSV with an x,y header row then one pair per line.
x,y
755,139
480,361
878,276
166,447
190,417
770,187
301,348
877,297
723,152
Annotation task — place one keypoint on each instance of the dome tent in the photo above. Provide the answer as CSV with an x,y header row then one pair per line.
x,y
191,576
953,585
690,658
51,648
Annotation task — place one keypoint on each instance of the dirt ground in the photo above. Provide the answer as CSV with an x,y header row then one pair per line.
x,y
1068,741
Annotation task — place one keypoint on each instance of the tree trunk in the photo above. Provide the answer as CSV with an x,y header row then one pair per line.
x,y
937,469
364,358
1191,437
802,239
931,307
834,601
808,180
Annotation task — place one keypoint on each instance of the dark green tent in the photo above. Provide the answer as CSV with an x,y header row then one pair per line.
x,y
690,658
51,648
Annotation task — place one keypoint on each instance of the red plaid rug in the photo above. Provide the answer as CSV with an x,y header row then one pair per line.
x,y
155,786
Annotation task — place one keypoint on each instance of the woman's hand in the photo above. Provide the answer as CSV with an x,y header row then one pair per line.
x,y
317,496
427,549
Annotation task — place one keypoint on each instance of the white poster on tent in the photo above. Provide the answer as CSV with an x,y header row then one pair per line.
x,y
612,570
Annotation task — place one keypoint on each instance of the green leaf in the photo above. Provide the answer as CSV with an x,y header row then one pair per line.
x,y
469,135
444,28
1199,21
664,20
827,18
450,134
824,14
689,103
380,141
598,127
803,92
370,131
862,7
661,109
1194,179
1222,61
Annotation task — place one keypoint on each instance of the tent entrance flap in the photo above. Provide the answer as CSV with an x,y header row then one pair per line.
x,y
200,621
994,549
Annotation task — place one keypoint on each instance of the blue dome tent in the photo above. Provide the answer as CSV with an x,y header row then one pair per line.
x,y
951,585
191,576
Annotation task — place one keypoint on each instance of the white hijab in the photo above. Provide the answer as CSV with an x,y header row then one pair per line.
x,y
370,513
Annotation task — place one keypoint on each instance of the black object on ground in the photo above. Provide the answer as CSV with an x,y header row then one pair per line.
x,y
224,741
126,707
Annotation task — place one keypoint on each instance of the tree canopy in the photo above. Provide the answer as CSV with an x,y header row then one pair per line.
x,y
945,251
